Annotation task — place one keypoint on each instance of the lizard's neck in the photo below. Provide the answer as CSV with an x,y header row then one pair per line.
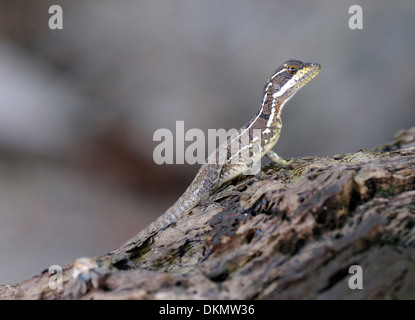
x,y
268,119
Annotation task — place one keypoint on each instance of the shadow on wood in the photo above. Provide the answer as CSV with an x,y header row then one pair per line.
x,y
295,237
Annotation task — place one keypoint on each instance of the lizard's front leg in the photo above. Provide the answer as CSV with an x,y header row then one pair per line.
x,y
275,158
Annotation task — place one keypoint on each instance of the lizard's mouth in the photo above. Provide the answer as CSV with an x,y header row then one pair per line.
x,y
311,70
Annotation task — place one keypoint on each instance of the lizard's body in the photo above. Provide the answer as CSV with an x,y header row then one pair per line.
x,y
282,85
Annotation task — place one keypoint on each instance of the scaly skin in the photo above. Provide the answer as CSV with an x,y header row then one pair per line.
x,y
287,80
263,132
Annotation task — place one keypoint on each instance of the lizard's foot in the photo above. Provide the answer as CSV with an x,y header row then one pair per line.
x,y
228,192
222,194
275,158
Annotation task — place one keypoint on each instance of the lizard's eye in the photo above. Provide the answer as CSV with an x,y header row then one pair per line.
x,y
292,69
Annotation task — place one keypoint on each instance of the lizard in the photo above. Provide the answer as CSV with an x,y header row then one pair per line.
x,y
284,83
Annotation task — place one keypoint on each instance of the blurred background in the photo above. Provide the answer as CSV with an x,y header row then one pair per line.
x,y
79,106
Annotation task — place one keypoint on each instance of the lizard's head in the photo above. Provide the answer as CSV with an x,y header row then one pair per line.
x,y
291,77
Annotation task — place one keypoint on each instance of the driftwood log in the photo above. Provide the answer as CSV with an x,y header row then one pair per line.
x,y
295,237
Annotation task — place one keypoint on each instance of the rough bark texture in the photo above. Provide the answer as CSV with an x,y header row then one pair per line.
x,y
294,236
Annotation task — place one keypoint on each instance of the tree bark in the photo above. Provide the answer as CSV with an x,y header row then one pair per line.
x,y
295,232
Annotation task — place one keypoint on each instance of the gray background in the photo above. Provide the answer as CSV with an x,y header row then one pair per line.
x,y
79,106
